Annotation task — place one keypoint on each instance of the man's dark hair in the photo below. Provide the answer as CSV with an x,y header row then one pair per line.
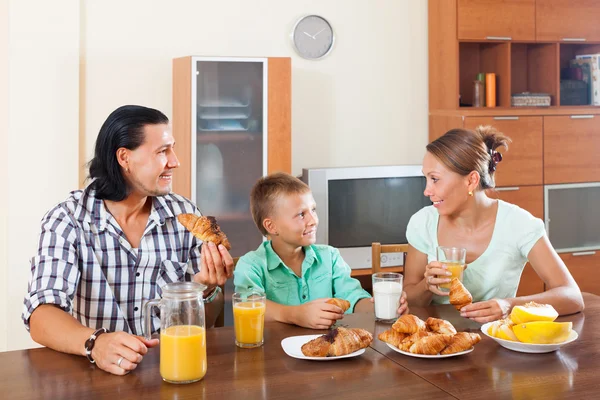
x,y
124,127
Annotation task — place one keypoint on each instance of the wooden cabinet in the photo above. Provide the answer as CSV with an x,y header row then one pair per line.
x,y
567,20
489,19
571,149
530,282
232,125
530,198
584,268
522,163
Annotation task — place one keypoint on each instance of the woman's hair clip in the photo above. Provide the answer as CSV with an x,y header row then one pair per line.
x,y
496,158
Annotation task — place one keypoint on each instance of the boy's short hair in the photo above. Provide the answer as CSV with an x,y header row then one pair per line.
x,y
267,190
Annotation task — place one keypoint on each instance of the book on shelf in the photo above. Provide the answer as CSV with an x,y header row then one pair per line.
x,y
593,62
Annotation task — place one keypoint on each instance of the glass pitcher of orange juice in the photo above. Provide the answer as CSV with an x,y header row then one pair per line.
x,y
182,335
249,318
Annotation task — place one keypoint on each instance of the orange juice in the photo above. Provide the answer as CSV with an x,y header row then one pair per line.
x,y
183,353
249,322
456,268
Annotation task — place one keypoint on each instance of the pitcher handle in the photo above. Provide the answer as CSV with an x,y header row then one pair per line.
x,y
148,317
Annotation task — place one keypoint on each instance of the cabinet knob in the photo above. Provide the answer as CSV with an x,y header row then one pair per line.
x,y
498,38
506,118
584,253
508,189
586,116
573,39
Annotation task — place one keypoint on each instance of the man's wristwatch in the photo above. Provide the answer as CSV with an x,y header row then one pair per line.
x,y
89,344
210,297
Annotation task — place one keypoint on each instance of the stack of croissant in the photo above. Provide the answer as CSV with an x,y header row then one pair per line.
x,y
338,342
434,336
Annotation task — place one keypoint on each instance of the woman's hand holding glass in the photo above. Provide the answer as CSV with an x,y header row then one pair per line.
x,y
436,274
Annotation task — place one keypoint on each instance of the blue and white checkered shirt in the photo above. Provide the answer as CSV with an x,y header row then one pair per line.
x,y
86,266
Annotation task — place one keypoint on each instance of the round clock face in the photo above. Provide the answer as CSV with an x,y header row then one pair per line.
x,y
313,37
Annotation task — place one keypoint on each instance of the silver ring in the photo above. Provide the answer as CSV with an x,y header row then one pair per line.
x,y
429,280
119,362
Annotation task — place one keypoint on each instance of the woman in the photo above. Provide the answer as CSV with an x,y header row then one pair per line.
x,y
499,237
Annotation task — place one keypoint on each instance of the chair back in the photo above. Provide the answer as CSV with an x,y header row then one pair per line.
x,y
377,249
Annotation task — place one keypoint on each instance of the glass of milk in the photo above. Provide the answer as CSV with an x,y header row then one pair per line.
x,y
387,290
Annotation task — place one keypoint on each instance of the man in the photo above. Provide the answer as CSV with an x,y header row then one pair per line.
x,y
108,249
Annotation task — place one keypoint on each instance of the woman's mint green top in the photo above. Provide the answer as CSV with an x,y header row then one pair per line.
x,y
324,274
497,272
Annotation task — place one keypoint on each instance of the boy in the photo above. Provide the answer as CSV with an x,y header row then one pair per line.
x,y
297,276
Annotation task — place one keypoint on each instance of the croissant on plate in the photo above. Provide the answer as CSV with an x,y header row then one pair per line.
x,y
337,342
459,295
392,337
407,343
461,341
341,303
204,228
440,326
409,323
431,345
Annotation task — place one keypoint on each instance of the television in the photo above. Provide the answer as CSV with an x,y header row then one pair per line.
x,y
361,205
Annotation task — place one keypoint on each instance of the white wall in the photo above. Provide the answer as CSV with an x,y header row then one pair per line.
x,y
42,136
3,168
365,104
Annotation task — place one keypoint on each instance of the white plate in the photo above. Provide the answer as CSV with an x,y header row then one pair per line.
x,y
292,346
528,347
406,353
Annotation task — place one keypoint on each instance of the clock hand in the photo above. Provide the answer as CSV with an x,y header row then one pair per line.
x,y
315,35
308,34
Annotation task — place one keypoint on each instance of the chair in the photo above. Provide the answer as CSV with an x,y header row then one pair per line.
x,y
377,249
220,321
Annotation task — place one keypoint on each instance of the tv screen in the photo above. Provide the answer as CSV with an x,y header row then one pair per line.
x,y
363,211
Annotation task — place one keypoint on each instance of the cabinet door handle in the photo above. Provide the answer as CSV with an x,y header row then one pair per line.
x,y
508,189
573,39
582,116
498,38
584,253
506,118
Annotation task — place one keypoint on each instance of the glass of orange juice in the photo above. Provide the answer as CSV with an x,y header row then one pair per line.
x,y
249,318
454,259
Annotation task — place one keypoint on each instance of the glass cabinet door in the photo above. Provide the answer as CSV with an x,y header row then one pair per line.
x,y
230,145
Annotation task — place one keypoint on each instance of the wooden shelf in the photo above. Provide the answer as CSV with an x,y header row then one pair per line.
x,y
228,137
516,111
369,271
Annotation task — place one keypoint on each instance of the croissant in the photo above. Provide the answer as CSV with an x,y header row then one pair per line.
x,y
459,295
392,337
431,345
406,344
204,228
409,323
461,341
337,342
341,303
440,326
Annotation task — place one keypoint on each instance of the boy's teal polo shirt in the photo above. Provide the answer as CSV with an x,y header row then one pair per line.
x,y
324,274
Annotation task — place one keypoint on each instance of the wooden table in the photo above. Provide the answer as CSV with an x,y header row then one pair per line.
x,y
490,371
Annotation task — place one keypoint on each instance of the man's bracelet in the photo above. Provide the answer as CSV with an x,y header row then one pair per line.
x,y
213,294
89,344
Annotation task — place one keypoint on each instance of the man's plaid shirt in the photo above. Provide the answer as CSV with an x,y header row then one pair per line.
x,y
86,266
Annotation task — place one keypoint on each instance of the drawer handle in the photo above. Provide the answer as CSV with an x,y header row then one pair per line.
x,y
586,116
508,189
498,38
584,253
506,118
573,39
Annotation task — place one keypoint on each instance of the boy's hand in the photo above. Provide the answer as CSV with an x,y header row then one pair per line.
x,y
318,314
